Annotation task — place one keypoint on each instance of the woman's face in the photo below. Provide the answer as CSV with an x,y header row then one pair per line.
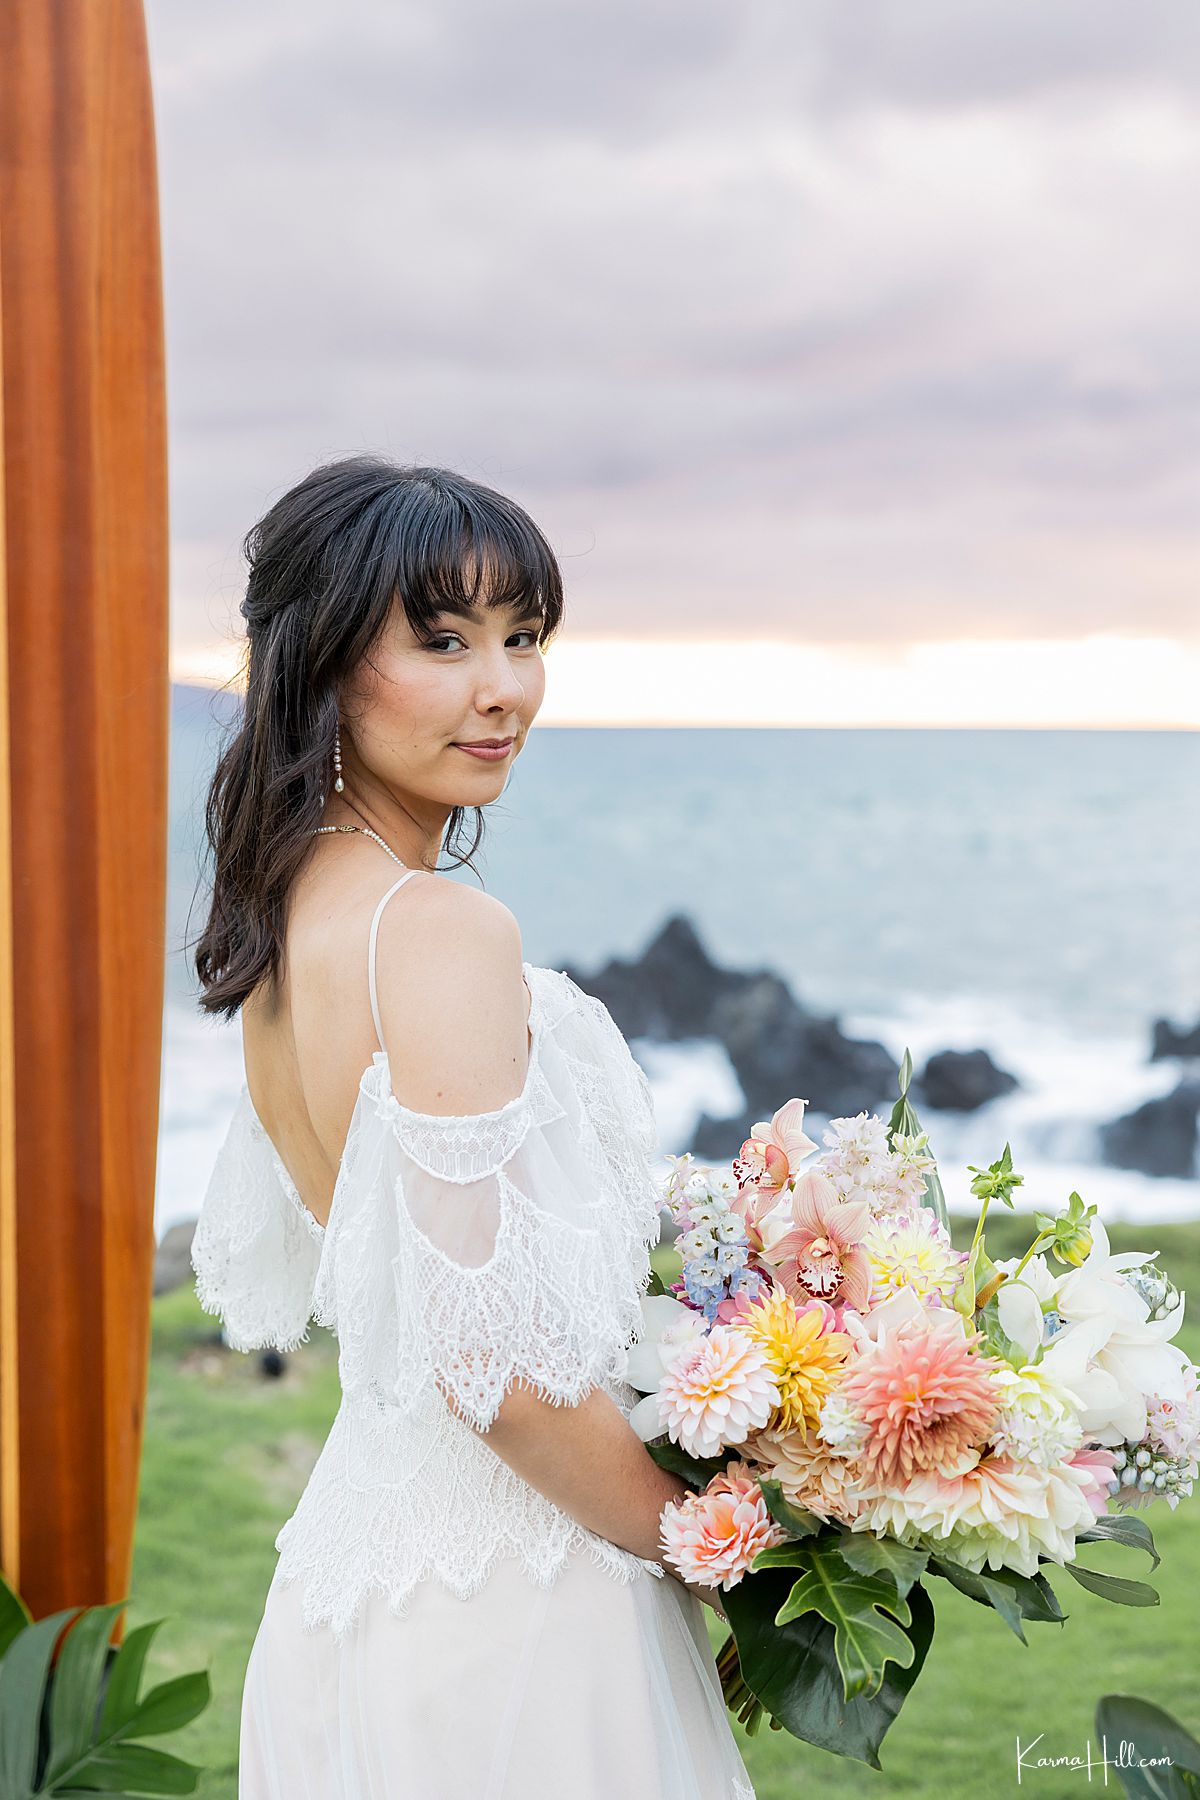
x,y
477,676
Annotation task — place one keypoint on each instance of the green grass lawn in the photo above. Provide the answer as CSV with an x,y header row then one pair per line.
x,y
227,1453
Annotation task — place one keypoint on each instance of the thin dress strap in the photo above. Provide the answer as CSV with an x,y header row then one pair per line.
x,y
371,951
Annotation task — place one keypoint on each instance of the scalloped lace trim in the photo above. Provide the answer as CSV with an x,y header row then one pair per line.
x,y
363,1523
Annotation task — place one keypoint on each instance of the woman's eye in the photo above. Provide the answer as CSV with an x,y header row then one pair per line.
x,y
451,637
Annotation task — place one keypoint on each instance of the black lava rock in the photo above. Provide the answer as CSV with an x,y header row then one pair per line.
x,y
1166,1041
961,1081
1158,1137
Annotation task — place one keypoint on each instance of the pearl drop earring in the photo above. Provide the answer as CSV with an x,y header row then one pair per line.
x,y
338,783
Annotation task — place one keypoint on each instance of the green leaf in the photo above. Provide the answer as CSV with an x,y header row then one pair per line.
x,y
790,1555
75,1689
14,1614
1156,1738
1013,1595
125,1677
1122,1528
137,1768
171,1704
698,1470
656,1284
905,1121
978,1270
22,1683
792,1669
1113,1587
797,1521
871,1555
865,1638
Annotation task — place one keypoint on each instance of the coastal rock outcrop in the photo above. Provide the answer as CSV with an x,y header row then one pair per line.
x,y
1160,1136
1166,1040
961,1081
776,1046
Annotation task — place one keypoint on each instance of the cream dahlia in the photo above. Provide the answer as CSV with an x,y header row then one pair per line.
x,y
995,1514
807,1470
913,1249
718,1389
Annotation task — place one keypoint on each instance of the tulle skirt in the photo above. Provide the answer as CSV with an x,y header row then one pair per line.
x,y
592,1688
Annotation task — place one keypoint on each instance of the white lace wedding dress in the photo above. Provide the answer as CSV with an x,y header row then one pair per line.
x,y
435,1628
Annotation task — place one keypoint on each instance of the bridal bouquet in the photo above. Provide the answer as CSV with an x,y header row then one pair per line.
x,y
859,1406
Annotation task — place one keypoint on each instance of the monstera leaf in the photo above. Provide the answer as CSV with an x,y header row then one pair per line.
x,y
793,1669
865,1638
68,1730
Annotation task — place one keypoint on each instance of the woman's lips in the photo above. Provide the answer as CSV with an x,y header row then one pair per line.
x,y
486,752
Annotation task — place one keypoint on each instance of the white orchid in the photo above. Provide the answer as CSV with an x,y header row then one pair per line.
x,y
1110,1354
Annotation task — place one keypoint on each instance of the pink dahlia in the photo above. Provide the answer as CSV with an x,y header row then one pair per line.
x,y
718,1390
712,1538
815,1242
925,1397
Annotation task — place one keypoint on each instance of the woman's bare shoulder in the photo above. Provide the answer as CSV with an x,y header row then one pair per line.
x,y
452,999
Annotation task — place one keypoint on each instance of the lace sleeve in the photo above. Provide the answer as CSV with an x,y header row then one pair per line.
x,y
519,1257
256,1249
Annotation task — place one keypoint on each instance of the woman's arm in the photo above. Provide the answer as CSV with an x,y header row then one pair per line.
x,y
457,986
592,1464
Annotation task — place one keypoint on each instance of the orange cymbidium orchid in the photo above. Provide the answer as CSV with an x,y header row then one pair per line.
x,y
814,1241
774,1150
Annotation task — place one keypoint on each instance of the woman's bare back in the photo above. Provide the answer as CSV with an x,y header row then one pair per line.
x,y
308,1037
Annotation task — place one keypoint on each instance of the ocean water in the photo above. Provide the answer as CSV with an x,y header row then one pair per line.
x,y
1031,892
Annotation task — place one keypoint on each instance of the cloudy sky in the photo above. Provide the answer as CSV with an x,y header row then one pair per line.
x,y
847,351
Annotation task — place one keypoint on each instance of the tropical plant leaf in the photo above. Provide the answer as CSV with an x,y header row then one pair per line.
x,y
23,1674
797,1521
14,1614
125,1678
1157,1739
1113,1587
58,1713
857,1606
792,1669
698,1470
1014,1596
75,1689
871,1555
1122,1528
170,1705
136,1769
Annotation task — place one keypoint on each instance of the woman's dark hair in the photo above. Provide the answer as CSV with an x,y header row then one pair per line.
x,y
327,562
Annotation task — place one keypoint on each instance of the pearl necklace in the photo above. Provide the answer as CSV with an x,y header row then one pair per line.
x,y
366,829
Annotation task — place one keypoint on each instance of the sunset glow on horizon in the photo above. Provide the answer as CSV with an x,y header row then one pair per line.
x,y
1097,682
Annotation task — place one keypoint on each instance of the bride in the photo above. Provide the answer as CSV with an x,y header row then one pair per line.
x,y
443,1153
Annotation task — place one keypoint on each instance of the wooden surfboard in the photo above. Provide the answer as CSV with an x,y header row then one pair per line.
x,y
84,701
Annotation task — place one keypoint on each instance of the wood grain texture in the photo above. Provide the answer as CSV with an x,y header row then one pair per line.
x,y
83,809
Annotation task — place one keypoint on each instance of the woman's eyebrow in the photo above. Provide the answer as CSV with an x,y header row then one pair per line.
x,y
520,609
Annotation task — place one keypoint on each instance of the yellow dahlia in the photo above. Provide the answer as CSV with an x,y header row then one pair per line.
x,y
803,1354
